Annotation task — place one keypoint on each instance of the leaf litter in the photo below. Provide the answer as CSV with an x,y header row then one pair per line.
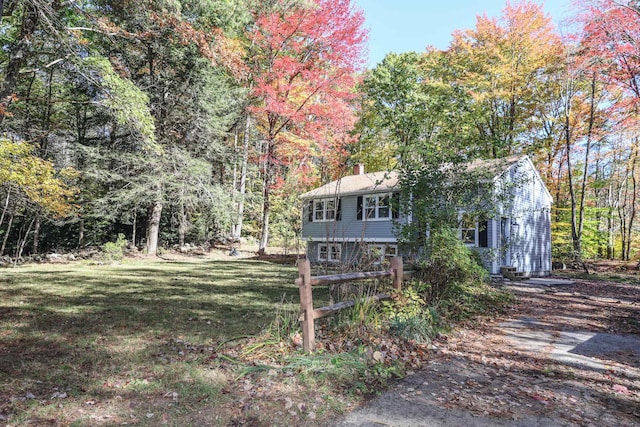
x,y
476,368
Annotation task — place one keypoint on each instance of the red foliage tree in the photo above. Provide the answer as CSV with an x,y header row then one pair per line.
x,y
611,42
303,65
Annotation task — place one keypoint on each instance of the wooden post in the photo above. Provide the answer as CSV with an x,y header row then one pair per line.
x,y
306,305
397,269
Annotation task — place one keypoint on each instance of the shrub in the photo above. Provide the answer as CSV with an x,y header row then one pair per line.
x,y
409,317
114,251
404,305
449,269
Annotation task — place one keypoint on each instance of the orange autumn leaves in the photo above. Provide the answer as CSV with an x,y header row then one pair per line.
x,y
303,63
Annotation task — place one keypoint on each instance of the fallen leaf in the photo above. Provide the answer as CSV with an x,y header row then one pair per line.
x,y
620,389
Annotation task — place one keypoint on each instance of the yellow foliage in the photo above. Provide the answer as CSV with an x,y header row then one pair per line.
x,y
36,178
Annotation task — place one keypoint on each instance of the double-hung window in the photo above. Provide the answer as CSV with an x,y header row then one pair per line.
x,y
377,207
324,209
472,231
468,229
329,252
383,252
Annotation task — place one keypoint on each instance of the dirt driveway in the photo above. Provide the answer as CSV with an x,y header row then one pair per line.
x,y
568,354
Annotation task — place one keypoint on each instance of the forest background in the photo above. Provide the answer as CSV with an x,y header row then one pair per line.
x,y
195,121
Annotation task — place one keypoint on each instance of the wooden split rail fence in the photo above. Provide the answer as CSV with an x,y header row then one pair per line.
x,y
305,282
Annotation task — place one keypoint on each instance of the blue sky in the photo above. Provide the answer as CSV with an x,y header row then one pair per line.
x,y
406,25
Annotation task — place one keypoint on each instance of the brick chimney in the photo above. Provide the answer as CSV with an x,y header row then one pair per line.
x,y
358,169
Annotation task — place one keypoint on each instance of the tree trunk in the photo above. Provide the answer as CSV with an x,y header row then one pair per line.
x,y
237,228
632,204
36,233
81,233
236,161
18,54
266,199
6,206
133,228
585,174
622,212
22,241
153,228
6,236
183,224
575,237
264,235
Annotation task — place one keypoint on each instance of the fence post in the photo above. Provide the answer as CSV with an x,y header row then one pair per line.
x,y
397,269
306,305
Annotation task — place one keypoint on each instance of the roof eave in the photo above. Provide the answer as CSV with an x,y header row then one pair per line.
x,y
350,193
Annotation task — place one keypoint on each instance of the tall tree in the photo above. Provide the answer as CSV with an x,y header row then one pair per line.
x,y
502,63
611,39
610,42
182,61
302,63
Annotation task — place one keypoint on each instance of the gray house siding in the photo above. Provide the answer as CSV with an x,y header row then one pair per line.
x,y
351,252
488,254
348,226
519,236
348,231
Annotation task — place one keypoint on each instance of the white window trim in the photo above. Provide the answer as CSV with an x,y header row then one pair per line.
x,y
476,237
329,252
383,250
365,217
324,210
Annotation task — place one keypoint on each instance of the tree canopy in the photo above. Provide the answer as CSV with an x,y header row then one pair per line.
x,y
182,121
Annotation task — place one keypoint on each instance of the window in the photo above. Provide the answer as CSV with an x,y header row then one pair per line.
x,y
324,209
329,252
472,232
468,229
384,252
377,207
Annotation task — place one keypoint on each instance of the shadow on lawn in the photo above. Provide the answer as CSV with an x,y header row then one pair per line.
x,y
84,330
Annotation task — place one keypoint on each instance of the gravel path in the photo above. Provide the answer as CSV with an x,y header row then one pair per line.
x,y
568,354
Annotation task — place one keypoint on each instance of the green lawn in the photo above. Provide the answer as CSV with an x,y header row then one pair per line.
x,y
134,343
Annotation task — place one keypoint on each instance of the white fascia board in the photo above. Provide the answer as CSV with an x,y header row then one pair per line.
x,y
352,193
349,239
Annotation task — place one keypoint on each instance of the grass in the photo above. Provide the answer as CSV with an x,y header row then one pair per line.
x,y
195,342
133,343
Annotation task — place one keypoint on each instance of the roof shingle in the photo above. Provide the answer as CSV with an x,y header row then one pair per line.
x,y
374,182
387,181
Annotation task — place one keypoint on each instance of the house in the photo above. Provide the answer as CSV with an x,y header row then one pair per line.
x,y
355,214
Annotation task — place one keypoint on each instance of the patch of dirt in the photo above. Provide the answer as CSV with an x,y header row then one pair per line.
x,y
229,253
